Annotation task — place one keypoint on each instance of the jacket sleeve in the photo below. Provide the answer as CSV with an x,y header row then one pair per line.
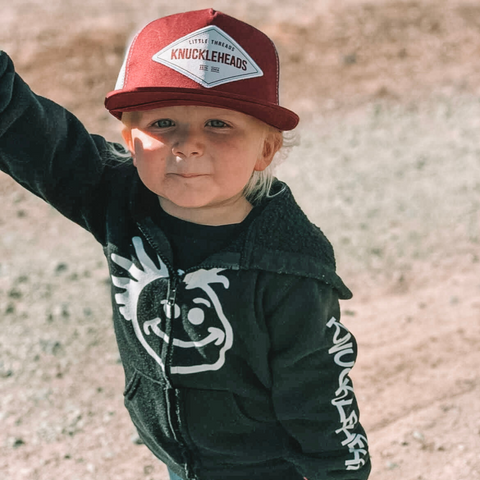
x,y
48,151
312,355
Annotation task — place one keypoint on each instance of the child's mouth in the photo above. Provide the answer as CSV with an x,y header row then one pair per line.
x,y
189,175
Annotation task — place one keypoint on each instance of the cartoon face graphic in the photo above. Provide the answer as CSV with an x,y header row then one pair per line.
x,y
192,314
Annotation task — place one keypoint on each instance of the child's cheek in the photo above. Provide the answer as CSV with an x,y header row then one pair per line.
x,y
143,142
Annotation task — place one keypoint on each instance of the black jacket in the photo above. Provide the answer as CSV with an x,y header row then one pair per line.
x,y
235,369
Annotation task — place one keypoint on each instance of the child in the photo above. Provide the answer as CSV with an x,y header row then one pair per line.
x,y
225,296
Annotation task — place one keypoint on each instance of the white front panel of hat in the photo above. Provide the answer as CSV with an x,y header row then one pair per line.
x,y
210,57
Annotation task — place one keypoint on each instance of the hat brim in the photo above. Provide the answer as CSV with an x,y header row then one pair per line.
x,y
121,101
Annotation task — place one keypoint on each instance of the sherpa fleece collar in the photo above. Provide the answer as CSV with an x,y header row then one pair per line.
x,y
281,239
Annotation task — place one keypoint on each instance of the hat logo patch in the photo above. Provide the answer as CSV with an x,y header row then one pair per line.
x,y
210,57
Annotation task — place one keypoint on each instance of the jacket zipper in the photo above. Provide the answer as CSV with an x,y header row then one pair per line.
x,y
172,400
173,282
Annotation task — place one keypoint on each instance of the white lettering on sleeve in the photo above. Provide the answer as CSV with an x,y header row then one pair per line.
x,y
344,357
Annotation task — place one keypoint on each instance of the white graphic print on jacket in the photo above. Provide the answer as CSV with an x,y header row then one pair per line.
x,y
203,324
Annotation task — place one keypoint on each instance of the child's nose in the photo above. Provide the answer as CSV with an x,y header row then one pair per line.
x,y
188,144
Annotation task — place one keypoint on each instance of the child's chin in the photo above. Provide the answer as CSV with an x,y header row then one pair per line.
x,y
187,203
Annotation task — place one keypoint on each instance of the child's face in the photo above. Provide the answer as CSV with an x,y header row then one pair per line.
x,y
198,158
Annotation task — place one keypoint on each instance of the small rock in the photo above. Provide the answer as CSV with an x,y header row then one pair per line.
x,y
136,440
418,436
51,347
148,469
391,465
350,59
16,442
5,372
15,293
62,310
61,267
10,309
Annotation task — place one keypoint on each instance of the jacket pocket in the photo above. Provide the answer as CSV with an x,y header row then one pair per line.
x,y
146,402
221,429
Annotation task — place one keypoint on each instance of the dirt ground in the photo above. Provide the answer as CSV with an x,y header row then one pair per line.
x,y
388,164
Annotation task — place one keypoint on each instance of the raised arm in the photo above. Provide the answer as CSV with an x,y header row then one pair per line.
x,y
47,150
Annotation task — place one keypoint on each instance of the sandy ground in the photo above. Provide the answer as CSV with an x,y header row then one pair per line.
x,y
388,165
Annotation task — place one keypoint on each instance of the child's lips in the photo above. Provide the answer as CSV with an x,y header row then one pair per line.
x,y
189,175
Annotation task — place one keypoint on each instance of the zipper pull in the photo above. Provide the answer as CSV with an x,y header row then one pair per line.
x,y
172,311
181,273
170,305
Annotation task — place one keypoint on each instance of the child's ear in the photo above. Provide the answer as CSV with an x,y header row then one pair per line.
x,y
271,145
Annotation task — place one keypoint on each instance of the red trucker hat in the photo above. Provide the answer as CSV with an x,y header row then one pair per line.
x,y
203,58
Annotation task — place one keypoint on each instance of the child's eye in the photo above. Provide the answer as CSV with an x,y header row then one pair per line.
x,y
217,124
164,123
